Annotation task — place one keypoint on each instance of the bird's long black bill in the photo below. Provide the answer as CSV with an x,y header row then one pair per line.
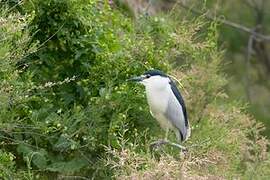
x,y
136,79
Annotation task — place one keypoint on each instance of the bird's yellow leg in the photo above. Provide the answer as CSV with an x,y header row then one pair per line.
x,y
167,133
166,141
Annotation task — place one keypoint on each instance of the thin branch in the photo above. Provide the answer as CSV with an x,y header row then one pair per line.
x,y
249,53
42,44
226,22
72,177
13,7
259,46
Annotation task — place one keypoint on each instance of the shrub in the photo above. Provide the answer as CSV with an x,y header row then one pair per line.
x,y
67,110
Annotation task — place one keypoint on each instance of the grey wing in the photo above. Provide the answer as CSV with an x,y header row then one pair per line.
x,y
180,99
174,113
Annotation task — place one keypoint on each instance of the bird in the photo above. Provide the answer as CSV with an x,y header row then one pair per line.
x,y
166,105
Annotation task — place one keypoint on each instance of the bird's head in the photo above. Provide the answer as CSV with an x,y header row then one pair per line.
x,y
152,78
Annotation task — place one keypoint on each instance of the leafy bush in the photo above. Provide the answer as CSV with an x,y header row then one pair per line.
x,y
67,110
7,164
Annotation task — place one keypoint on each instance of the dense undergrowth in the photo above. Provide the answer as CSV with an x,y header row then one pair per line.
x,y
66,110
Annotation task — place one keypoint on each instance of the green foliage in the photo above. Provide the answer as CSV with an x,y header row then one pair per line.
x,y
7,165
67,110
248,83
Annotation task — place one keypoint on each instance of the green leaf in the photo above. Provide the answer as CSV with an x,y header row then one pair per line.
x,y
37,157
68,167
40,159
62,144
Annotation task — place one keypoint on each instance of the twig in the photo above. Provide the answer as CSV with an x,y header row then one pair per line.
x,y
181,85
42,44
226,22
13,7
52,84
72,177
249,51
259,46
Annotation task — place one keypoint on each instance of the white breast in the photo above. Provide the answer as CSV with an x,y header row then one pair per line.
x,y
157,99
158,92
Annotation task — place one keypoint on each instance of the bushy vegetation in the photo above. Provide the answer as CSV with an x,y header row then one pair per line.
x,y
68,112
248,69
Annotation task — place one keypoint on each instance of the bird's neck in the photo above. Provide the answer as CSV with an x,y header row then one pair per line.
x,y
157,98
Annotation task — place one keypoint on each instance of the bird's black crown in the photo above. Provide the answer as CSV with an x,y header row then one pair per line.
x,y
155,72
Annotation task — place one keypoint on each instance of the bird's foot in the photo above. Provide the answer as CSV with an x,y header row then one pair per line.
x,y
183,148
157,144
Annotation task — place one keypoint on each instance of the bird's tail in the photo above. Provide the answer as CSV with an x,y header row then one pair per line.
x,y
182,137
188,133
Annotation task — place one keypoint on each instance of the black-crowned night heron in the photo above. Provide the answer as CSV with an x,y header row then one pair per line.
x,y
166,105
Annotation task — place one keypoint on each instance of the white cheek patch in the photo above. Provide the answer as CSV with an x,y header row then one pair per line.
x,y
156,82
